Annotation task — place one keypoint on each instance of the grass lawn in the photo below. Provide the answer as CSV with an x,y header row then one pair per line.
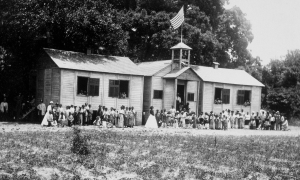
x,y
147,154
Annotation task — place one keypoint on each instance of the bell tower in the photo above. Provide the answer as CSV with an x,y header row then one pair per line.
x,y
180,56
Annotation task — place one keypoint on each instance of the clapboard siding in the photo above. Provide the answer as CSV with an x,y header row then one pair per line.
x,y
55,86
157,104
157,83
47,85
67,87
136,96
169,94
208,93
255,99
147,93
40,85
164,71
200,105
188,75
192,88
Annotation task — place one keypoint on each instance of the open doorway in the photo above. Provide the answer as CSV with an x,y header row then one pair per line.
x,y
180,93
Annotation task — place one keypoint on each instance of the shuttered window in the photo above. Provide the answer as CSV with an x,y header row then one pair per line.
x,y
222,96
158,94
118,89
191,97
88,86
243,96
226,96
113,88
93,87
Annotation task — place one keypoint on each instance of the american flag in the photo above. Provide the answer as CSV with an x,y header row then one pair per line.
x,y
178,19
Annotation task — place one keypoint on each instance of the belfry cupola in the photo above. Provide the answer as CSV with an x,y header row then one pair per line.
x,y
180,56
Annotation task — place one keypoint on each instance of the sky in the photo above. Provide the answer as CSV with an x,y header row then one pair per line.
x,y
275,26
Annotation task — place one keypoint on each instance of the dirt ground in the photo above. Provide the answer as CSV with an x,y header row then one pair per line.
x,y
15,127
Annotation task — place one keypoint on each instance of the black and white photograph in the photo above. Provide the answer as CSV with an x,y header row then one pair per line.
x,y
149,90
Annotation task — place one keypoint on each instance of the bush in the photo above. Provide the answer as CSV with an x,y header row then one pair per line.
x,y
80,143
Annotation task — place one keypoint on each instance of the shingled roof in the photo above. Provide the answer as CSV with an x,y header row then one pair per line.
x,y
226,76
152,67
93,62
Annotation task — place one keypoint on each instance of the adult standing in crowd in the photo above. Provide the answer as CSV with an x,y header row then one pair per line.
x,y
4,110
41,110
277,121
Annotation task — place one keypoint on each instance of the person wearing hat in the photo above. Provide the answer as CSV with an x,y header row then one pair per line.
x,y
277,121
41,110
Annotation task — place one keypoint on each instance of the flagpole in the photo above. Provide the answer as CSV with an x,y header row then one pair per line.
x,y
181,26
181,32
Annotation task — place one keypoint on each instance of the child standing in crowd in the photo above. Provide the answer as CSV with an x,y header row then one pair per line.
x,y
247,119
4,110
200,120
206,121
158,117
50,118
70,119
272,121
252,124
61,119
211,120
224,122
284,124
257,120
177,118
164,118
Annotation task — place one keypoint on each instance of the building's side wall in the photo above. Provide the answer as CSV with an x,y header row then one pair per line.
x,y
157,84
192,88
147,95
209,94
169,94
69,91
200,105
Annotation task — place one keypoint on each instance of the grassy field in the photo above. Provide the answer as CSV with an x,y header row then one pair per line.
x,y
147,154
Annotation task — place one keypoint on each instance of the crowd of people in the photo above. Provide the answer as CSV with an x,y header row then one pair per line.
x,y
224,120
56,115
182,117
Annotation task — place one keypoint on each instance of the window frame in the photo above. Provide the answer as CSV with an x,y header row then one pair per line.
x,y
223,94
89,84
188,97
160,93
241,95
117,86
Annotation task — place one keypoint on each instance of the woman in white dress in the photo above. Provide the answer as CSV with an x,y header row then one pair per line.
x,y
151,121
49,108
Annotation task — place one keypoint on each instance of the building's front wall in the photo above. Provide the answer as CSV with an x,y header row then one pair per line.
x,y
69,95
209,95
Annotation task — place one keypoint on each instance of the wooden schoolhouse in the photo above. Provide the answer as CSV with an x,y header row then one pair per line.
x,y
205,89
73,78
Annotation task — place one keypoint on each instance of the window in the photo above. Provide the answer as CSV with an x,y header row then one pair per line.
x,y
158,94
88,86
243,96
226,96
191,97
118,89
222,96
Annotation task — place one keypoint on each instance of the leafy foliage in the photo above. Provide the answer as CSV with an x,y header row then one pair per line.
x,y
139,29
282,78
